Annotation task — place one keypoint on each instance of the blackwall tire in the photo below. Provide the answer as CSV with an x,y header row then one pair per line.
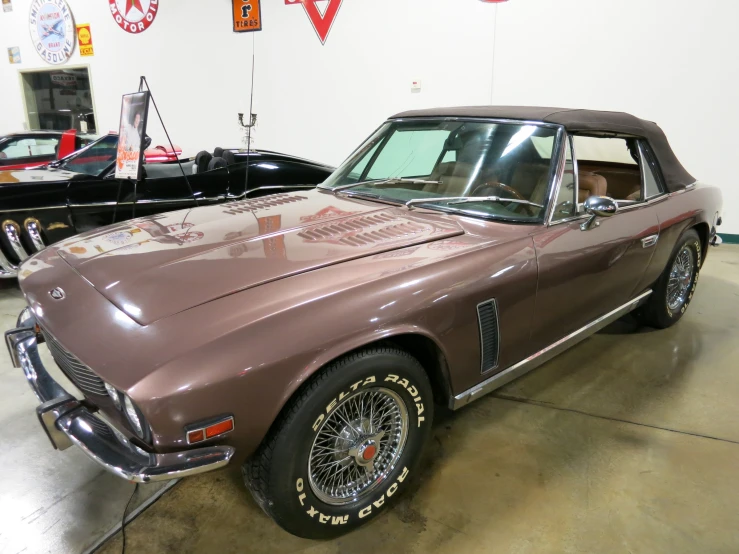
x,y
674,290
345,446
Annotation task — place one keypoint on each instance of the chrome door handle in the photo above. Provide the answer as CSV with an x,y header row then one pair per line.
x,y
649,241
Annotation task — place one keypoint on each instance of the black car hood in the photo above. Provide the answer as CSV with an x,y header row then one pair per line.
x,y
37,175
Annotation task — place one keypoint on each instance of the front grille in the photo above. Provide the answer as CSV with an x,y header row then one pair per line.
x,y
81,375
487,314
100,427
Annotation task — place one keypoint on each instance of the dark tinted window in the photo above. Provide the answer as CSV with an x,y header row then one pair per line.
x,y
94,159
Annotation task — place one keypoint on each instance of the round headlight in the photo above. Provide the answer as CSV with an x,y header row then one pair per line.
x,y
114,396
133,416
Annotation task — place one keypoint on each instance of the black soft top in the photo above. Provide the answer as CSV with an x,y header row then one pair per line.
x,y
580,121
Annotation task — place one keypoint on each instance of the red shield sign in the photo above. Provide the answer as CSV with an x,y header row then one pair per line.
x,y
321,23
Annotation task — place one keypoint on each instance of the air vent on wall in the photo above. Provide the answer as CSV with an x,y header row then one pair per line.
x,y
487,314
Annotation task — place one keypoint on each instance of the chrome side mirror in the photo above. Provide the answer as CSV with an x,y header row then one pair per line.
x,y
598,206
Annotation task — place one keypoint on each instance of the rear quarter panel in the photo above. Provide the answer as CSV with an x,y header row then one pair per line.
x,y
699,205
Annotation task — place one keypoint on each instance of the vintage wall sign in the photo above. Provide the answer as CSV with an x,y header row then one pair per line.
x,y
14,54
63,79
134,16
84,37
52,30
247,16
322,23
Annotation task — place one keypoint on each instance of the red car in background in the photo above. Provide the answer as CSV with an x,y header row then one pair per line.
x,y
30,149
36,148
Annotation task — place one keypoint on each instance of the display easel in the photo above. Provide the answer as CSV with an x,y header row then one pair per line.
x,y
144,83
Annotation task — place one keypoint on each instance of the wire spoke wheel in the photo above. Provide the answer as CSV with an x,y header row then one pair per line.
x,y
357,445
681,277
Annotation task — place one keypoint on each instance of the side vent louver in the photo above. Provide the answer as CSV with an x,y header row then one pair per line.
x,y
487,315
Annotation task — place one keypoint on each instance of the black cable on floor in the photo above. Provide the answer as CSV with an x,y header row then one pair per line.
x,y
125,513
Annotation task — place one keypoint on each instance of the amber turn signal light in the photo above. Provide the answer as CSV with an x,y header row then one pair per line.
x,y
213,430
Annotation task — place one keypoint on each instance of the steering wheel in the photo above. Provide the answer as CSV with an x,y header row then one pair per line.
x,y
510,190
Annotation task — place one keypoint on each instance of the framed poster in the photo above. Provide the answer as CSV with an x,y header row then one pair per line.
x,y
131,135
247,16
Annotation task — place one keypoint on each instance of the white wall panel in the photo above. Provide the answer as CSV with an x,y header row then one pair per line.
x,y
670,62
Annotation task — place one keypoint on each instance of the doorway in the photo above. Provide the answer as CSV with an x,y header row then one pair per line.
x,y
59,99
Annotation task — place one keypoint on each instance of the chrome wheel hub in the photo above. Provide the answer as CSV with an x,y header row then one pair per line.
x,y
681,276
357,445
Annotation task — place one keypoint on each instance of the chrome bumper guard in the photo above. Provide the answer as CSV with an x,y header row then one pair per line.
x,y
67,422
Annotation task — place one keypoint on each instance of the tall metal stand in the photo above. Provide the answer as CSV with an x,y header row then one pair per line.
x,y
143,82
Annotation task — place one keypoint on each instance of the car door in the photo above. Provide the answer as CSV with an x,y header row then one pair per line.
x,y
168,187
94,193
587,272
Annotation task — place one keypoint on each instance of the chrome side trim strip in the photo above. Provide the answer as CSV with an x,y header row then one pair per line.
x,y
535,360
280,187
13,233
37,208
32,226
97,205
143,202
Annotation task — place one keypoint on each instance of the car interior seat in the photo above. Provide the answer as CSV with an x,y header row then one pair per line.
x,y
229,157
201,162
590,184
218,152
216,163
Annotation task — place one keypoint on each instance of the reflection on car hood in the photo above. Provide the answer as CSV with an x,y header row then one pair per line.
x,y
161,265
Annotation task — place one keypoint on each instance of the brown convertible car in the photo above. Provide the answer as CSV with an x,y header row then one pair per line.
x,y
308,335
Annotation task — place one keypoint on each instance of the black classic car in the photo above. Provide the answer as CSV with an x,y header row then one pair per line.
x,y
44,205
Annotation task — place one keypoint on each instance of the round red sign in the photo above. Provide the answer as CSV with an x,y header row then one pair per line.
x,y
134,16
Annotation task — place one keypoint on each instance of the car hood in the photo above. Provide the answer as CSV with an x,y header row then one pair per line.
x,y
35,175
161,265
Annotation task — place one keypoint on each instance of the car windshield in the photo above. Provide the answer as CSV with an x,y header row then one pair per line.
x,y
441,160
94,159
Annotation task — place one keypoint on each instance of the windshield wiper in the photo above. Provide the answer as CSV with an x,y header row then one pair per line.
x,y
396,181
469,199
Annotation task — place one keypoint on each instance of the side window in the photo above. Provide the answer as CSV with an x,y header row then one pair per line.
x,y
608,166
565,206
28,148
652,186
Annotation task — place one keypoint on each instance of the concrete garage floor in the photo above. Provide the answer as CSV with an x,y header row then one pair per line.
x,y
627,443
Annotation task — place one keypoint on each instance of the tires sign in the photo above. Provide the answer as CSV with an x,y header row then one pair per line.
x,y
134,16
52,30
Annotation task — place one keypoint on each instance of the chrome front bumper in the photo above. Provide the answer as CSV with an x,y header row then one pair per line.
x,y
67,422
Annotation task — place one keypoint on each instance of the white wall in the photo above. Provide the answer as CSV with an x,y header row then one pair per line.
x,y
312,100
669,61
673,62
